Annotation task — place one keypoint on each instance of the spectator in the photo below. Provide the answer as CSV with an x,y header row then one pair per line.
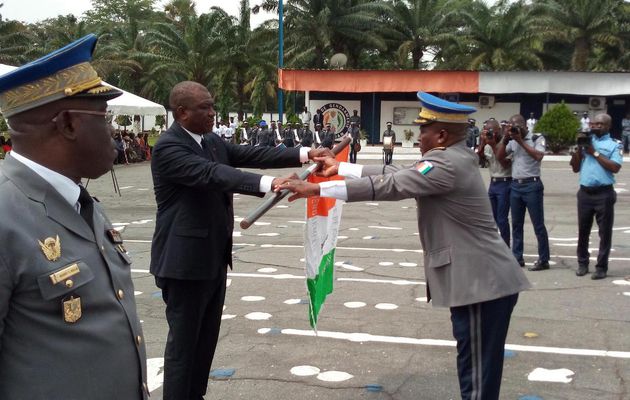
x,y
305,117
318,118
472,133
596,162
625,126
585,122
531,122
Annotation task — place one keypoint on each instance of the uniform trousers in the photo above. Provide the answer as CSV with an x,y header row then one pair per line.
x,y
499,194
480,330
598,203
528,196
353,152
193,313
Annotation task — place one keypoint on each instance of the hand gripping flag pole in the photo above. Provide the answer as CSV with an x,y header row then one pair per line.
x,y
273,200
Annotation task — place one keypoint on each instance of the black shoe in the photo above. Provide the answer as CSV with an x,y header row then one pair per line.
x,y
598,274
521,263
538,266
582,270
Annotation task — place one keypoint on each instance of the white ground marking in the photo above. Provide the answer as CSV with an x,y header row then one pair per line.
x,y
266,270
392,228
258,316
626,293
137,293
564,239
386,306
351,267
342,237
292,301
282,206
301,246
141,222
297,222
385,263
120,228
283,226
366,337
252,298
228,316
237,234
334,376
125,187
121,223
269,234
407,264
258,223
620,190
371,204
367,237
401,282
564,244
228,283
302,259
422,299
354,304
353,229
238,219
304,370
155,378
142,189
621,282
561,375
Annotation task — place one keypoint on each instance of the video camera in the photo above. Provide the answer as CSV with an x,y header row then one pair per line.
x,y
583,139
490,133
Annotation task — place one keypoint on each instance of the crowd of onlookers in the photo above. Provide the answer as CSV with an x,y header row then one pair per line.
x,y
131,148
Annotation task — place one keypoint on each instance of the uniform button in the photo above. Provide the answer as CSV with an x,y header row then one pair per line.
x,y
69,283
121,294
138,340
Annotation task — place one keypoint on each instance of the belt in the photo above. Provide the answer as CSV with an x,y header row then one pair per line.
x,y
503,179
527,180
596,189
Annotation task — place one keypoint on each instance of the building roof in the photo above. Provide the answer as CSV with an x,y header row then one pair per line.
x,y
370,81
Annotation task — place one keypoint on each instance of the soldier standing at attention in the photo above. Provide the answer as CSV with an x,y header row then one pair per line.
x,y
467,265
389,151
68,322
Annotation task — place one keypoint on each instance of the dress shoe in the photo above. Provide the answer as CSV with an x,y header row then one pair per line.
x,y
521,263
538,266
582,270
598,274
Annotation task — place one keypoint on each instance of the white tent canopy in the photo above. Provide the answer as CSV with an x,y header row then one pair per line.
x,y
127,103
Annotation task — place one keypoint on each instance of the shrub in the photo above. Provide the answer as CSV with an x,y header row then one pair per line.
x,y
123,120
160,120
559,126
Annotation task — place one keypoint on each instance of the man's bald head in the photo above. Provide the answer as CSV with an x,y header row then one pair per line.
x,y
518,120
181,94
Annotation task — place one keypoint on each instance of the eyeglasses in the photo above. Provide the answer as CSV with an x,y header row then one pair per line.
x,y
103,114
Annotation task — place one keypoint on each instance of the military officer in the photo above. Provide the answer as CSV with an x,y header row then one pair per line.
x,y
68,322
468,266
388,149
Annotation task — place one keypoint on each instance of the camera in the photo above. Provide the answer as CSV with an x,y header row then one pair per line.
x,y
490,134
515,129
584,139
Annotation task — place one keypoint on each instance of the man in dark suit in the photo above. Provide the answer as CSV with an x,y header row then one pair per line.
x,y
194,177
68,322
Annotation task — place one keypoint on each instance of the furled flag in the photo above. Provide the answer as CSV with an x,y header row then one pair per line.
x,y
323,216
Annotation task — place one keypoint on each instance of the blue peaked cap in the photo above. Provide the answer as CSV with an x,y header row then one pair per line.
x,y
435,109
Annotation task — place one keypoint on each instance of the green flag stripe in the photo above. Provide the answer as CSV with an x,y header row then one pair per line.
x,y
320,286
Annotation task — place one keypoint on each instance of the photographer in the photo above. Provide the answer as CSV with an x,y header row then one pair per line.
x,y
597,158
527,189
500,176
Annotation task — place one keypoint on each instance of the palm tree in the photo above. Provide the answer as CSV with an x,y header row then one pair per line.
x,y
15,41
584,24
502,37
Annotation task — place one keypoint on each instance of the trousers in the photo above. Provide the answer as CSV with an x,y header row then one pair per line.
x,y
528,197
601,205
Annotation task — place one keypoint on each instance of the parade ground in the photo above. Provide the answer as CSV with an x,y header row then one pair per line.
x,y
377,337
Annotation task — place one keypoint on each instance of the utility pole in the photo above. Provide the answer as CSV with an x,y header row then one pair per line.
x,y
280,57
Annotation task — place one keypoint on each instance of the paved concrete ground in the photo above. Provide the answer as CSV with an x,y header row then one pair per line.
x,y
394,346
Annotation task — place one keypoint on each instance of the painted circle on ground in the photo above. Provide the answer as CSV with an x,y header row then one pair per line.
x,y
334,376
228,316
252,298
267,270
385,263
258,316
386,306
354,304
305,370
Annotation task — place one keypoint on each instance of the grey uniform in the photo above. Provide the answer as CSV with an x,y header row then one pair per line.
x,y
465,259
42,357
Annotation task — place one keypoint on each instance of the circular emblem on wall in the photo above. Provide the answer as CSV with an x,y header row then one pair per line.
x,y
338,117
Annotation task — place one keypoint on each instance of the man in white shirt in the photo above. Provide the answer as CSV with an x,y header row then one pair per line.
x,y
531,122
305,117
585,122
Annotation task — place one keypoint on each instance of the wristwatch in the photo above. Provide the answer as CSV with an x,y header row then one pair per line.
x,y
596,154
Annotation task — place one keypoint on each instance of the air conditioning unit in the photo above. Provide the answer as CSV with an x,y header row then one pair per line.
x,y
596,103
486,101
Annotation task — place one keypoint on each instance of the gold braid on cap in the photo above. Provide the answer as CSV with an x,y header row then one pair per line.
x,y
64,83
427,115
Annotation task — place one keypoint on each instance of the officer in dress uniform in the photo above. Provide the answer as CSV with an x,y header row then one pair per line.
x,y
306,136
389,153
68,322
596,163
468,266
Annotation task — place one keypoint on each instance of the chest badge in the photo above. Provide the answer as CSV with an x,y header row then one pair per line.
x,y
51,248
72,309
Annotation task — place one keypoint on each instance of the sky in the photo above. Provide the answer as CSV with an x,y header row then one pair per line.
x,y
37,10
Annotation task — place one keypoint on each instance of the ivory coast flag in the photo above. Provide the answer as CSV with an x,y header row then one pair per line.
x,y
323,216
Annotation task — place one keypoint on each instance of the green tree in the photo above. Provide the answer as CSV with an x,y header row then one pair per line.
x,y
15,41
559,126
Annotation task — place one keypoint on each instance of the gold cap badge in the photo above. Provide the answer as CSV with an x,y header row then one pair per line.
x,y
51,248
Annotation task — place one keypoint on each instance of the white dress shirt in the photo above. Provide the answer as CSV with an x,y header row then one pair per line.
x,y
337,189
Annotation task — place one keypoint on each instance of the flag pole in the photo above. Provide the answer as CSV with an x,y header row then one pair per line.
x,y
268,203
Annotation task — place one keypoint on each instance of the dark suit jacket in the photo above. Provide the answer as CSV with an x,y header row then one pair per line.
x,y
193,190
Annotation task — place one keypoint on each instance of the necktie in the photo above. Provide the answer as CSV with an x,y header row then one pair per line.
x,y
87,207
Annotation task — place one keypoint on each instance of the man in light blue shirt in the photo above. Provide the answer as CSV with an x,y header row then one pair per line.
x,y
597,163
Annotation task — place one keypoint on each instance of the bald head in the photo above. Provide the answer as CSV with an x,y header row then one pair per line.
x,y
182,94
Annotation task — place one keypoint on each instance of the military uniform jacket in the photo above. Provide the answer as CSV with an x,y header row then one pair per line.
x,y
465,259
193,191
42,357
